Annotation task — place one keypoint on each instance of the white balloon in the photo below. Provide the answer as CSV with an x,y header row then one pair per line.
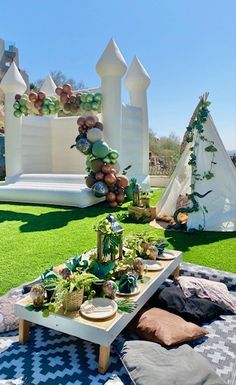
x,y
94,134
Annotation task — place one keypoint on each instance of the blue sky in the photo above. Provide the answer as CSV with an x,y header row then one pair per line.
x,y
187,46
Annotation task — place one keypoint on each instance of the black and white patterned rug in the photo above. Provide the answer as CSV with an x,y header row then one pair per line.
x,y
53,358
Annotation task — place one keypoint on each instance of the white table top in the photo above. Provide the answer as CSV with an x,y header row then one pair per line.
x,y
105,331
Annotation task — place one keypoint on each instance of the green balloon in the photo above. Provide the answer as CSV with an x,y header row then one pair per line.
x,y
106,159
16,105
114,154
98,97
22,101
83,98
95,106
25,97
54,99
100,149
87,106
47,101
24,109
113,161
17,113
89,98
45,110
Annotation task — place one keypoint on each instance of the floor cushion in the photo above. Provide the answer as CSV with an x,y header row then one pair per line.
x,y
204,288
149,363
193,309
161,326
8,320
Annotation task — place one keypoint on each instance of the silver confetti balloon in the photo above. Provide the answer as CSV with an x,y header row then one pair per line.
x,y
100,189
84,146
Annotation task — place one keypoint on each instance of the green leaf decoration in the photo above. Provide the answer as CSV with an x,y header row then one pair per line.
x,y
211,148
126,305
205,209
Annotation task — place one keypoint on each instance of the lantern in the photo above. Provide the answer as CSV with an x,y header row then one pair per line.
x,y
137,192
109,239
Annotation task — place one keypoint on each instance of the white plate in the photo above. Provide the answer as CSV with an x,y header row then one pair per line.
x,y
166,256
152,265
98,308
136,291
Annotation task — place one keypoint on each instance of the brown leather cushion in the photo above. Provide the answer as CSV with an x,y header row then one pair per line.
x,y
159,325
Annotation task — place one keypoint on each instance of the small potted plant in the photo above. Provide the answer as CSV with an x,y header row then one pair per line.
x,y
69,290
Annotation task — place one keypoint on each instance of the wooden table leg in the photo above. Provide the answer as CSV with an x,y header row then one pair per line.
x,y
176,272
104,358
24,328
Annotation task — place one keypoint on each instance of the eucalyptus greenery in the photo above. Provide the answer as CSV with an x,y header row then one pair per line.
x,y
196,134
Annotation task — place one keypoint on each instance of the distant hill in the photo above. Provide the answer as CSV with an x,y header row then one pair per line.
x,y
231,152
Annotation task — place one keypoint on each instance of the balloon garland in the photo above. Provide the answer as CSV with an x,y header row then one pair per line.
x,y
101,162
37,103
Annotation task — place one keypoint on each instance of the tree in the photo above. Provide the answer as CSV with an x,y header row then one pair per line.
x,y
164,146
59,79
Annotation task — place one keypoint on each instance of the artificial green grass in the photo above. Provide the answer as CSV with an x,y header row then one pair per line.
x,y
34,238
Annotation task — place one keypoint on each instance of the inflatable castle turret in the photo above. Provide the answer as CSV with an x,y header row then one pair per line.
x,y
41,167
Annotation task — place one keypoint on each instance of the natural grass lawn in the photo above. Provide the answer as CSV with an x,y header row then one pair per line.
x,y
34,238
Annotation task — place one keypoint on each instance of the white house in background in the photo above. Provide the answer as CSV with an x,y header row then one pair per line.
x,y
41,167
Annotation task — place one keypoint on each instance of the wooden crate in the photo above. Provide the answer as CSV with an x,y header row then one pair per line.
x,y
150,212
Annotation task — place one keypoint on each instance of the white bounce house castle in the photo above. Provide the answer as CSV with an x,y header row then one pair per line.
x,y
41,167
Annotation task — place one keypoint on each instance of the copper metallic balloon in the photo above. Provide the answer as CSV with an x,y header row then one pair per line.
x,y
84,146
124,181
110,179
100,189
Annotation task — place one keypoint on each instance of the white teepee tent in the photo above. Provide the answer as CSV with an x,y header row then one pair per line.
x,y
212,172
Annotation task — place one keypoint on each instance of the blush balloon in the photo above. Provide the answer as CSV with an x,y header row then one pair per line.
x,y
41,95
107,168
81,121
113,204
33,96
59,91
67,88
120,198
99,175
90,121
111,197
